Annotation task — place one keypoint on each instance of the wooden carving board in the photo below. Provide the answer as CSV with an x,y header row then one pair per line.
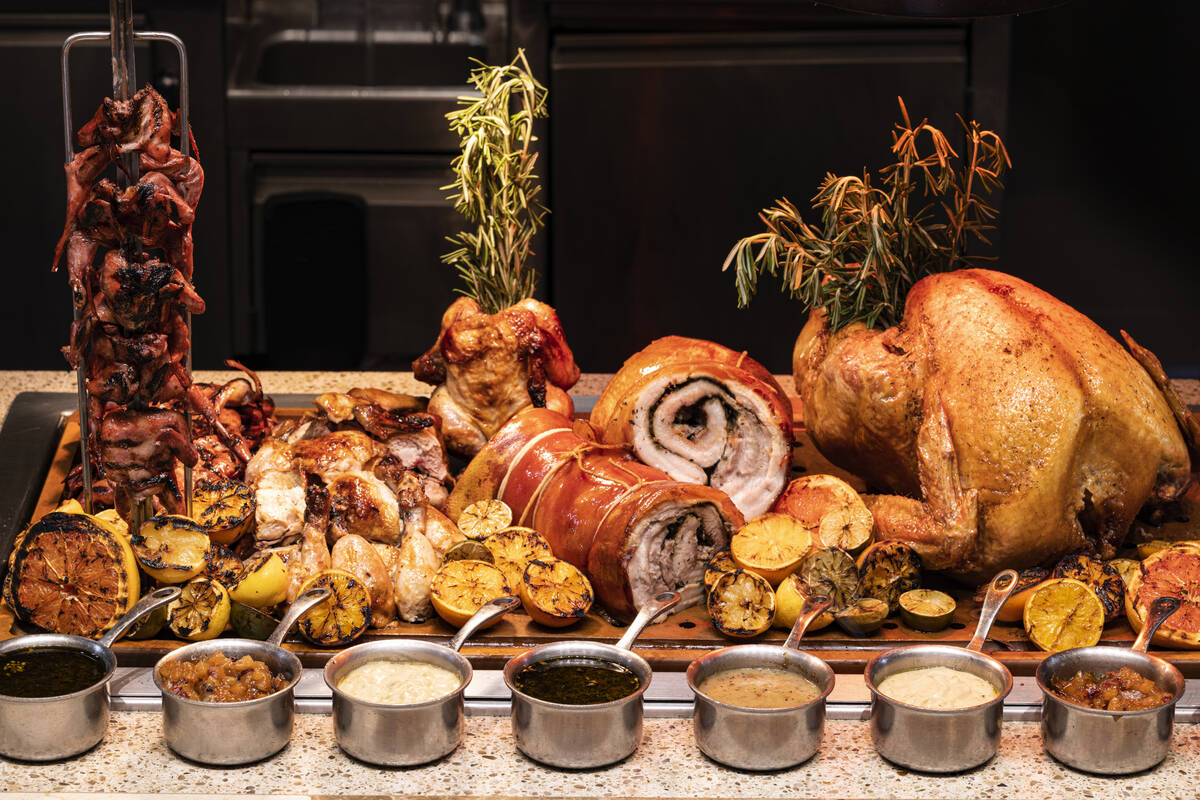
x,y
687,634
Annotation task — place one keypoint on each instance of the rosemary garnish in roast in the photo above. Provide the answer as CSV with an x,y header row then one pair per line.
x,y
494,185
871,247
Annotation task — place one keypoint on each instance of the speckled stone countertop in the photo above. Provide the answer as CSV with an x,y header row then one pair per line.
x,y
133,759
14,382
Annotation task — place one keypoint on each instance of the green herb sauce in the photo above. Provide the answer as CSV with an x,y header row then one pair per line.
x,y
48,671
576,681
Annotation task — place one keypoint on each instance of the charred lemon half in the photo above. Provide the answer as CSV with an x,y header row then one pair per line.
x,y
171,549
1104,579
340,618
555,593
263,582
790,596
831,572
513,548
771,545
67,574
200,612
460,588
926,609
483,518
887,570
741,604
223,508
1063,613
222,565
863,617
720,563
830,506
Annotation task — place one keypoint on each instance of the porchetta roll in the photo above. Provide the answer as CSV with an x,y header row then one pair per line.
x,y
704,414
630,527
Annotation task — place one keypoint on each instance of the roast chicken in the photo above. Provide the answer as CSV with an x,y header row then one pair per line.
x,y
489,367
1007,428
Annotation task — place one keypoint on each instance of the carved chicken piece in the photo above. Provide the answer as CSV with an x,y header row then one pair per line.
x,y
356,555
1009,426
412,573
363,505
312,555
491,366
278,486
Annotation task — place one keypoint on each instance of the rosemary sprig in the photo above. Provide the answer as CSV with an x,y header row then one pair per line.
x,y
870,246
494,184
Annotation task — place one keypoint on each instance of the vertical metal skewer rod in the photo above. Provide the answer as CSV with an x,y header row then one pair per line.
x,y
122,37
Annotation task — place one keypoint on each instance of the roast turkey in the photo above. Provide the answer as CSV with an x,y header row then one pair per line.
x,y
1008,428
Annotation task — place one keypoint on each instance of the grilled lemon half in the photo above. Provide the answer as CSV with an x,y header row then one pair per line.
x,y
224,508
460,588
741,604
200,612
483,518
555,593
170,548
513,548
340,618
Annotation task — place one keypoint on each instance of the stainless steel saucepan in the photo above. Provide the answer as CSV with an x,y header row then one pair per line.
x,y
248,730
50,728
585,736
395,734
763,738
948,740
1111,742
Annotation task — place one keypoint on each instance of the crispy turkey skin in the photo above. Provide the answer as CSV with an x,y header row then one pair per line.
x,y
1009,428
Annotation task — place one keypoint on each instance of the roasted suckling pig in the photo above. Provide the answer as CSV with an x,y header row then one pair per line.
x,y
131,337
630,527
702,413
1008,427
358,484
488,367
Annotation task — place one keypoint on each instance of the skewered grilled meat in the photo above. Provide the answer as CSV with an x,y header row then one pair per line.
x,y
131,337
138,450
141,124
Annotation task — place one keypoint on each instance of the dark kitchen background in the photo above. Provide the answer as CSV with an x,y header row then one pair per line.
x,y
321,130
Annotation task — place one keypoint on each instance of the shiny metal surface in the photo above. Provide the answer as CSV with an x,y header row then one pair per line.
x,y
50,728
226,734
759,738
1111,742
395,735
942,740
584,736
763,738
936,741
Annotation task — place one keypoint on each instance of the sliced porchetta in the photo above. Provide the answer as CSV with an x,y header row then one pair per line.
x,y
704,414
630,527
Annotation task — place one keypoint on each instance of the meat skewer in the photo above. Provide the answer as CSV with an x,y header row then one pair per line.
x,y
131,337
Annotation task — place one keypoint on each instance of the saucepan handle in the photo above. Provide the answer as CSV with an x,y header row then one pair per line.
x,y
999,590
1160,610
813,607
159,597
659,605
486,613
297,609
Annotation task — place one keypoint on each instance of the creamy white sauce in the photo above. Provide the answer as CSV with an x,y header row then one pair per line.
x,y
937,688
399,682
